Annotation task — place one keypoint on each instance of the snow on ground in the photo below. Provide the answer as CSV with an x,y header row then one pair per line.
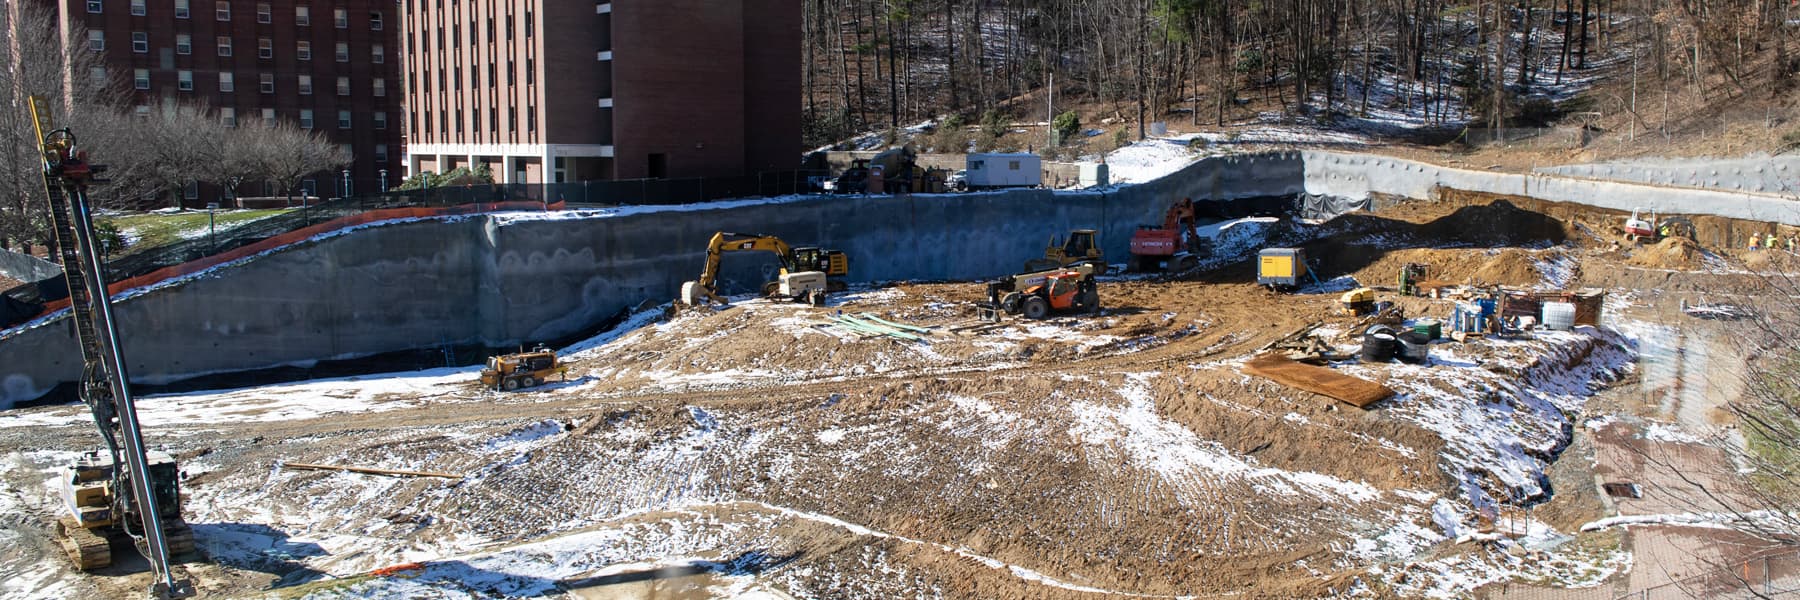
x,y
1148,160
276,402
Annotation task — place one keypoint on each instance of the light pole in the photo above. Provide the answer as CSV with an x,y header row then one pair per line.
x,y
346,184
384,181
212,231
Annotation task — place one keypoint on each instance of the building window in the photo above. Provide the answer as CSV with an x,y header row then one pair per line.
x,y
381,120
140,79
309,188
340,18
97,41
306,118
93,6
137,8
530,71
181,9
266,83
184,43
459,120
191,191
343,52
375,21
224,45
491,80
528,21
265,48
97,75
377,54
509,72
222,10
262,13
381,153
343,119
531,118
509,27
228,116
456,78
303,50
343,86
142,111
184,80
268,117
306,85
379,89
227,82
140,42
302,15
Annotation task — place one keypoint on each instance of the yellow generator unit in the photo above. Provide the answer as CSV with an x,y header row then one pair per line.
x,y
1358,302
1280,267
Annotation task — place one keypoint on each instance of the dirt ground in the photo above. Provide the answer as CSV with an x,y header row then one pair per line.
x,y
758,450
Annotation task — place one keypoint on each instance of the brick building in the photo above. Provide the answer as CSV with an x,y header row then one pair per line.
x,y
568,90
327,65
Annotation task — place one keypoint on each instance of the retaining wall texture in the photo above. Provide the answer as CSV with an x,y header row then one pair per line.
x,y
500,280
25,267
1779,175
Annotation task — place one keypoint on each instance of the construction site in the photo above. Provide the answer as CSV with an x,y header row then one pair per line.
x,y
1281,375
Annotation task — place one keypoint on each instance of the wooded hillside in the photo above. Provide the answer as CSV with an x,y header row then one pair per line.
x,y
878,64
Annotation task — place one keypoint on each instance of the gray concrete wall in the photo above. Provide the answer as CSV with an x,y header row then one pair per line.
x,y
25,267
1356,175
500,280
1777,175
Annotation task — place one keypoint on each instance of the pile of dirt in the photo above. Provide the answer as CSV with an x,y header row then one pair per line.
x,y
1766,261
1672,253
1505,266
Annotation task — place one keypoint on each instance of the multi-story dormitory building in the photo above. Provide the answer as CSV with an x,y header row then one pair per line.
x,y
326,65
576,90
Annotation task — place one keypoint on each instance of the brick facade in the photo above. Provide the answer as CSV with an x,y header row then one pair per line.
x,y
183,60
559,90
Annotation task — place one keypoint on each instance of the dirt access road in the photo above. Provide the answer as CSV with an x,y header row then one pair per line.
x,y
751,451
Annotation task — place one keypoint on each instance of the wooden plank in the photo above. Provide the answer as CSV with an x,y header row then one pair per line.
x,y
369,470
1356,391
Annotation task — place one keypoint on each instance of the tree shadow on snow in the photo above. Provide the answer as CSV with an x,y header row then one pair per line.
x,y
754,562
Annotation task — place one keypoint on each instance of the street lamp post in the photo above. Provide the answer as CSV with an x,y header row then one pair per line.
x,y
346,184
212,231
384,181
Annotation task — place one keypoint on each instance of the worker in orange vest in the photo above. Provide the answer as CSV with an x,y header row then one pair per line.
x,y
1755,242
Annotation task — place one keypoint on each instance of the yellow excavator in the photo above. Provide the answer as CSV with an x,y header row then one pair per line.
x,y
807,273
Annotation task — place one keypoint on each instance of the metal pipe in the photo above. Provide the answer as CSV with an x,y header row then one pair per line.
x,y
112,356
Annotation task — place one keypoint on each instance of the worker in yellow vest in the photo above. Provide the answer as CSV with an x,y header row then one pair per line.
x,y
1769,242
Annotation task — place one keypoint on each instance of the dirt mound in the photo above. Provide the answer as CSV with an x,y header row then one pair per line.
x,y
1764,261
1506,266
1672,253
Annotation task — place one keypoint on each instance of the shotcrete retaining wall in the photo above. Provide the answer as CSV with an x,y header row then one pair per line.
x,y
499,280
1778,175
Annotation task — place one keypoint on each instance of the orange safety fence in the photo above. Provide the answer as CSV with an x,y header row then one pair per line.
x,y
302,234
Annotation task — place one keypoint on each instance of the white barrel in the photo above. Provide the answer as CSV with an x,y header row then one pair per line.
x,y
1559,316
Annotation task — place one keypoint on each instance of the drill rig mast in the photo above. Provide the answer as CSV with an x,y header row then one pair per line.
x,y
125,489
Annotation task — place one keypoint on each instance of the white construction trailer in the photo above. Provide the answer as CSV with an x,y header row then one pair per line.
x,y
1003,170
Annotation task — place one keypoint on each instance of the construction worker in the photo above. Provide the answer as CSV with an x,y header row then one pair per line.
x,y
1770,241
1755,242
1791,241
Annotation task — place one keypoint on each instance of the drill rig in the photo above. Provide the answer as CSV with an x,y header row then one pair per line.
x,y
122,490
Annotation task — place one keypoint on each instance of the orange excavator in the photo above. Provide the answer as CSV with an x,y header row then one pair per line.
x,y
1172,248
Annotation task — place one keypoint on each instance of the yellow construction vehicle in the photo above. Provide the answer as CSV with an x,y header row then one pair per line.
x,y
807,273
522,370
1082,247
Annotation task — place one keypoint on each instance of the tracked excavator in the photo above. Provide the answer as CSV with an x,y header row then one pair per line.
x,y
1173,248
807,273
122,490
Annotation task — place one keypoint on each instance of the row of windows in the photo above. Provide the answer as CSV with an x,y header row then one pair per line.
x,y
265,47
340,17
455,74
493,119
184,81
